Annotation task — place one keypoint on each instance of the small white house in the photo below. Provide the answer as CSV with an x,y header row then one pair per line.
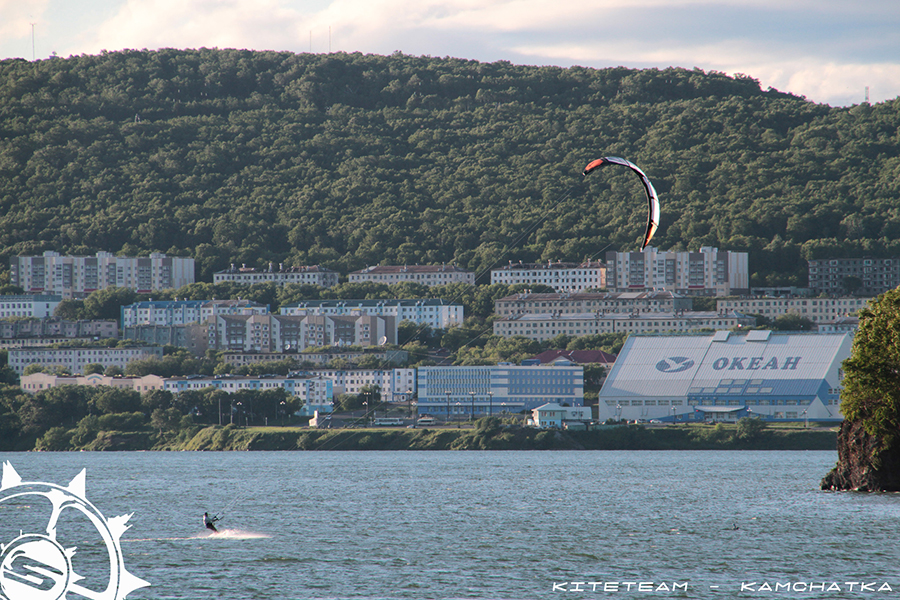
x,y
554,415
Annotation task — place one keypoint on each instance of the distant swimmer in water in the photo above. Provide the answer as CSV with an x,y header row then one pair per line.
x,y
208,522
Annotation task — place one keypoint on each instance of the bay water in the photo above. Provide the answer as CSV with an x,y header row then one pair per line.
x,y
483,525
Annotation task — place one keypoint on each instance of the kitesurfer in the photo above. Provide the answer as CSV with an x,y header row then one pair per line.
x,y
208,522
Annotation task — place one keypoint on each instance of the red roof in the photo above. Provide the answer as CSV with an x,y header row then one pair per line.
x,y
580,357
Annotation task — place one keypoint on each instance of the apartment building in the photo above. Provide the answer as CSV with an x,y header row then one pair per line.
x,y
78,276
818,310
583,302
313,275
185,312
709,272
434,312
542,327
841,276
43,332
430,275
29,305
561,276
279,333
75,358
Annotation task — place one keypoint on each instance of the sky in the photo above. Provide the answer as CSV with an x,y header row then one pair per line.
x,y
829,51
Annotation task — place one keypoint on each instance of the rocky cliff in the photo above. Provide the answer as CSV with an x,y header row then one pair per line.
x,y
865,463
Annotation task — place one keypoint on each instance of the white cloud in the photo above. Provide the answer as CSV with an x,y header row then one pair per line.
x,y
816,48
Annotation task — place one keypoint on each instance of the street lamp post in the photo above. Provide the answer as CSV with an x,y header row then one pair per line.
x,y
448,405
490,404
283,411
674,415
472,416
457,415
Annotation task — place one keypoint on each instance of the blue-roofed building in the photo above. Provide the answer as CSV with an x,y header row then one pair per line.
x,y
725,376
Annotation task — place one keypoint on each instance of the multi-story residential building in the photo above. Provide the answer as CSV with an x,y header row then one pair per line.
x,y
74,359
43,332
542,327
455,393
609,302
78,276
389,357
314,275
36,382
435,313
867,276
185,312
278,333
429,275
29,305
394,385
561,276
705,273
315,392
818,310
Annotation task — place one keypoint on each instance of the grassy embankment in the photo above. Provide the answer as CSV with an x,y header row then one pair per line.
x,y
631,437
488,434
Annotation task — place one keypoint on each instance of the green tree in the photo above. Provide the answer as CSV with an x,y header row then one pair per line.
x,y
871,392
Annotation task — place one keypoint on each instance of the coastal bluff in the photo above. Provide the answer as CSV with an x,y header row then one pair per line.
x,y
866,463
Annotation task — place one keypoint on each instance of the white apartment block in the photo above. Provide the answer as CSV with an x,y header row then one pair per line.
x,y
314,275
542,327
278,333
817,310
435,313
29,305
708,272
36,382
395,385
315,392
74,359
78,276
584,302
185,312
561,276
429,275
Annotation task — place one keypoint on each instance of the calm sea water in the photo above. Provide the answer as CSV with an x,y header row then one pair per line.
x,y
484,525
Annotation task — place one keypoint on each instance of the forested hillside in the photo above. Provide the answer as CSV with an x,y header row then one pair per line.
x,y
348,160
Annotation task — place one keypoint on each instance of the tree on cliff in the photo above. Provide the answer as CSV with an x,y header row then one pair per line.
x,y
871,394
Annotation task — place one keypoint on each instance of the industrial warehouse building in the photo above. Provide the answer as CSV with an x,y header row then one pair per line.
x,y
725,376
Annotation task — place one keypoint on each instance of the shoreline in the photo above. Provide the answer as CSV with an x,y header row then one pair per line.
x,y
617,437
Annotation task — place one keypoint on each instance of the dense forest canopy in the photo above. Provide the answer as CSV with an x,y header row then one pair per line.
x,y
347,160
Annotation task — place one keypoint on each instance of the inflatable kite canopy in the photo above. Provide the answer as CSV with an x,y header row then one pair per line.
x,y
652,199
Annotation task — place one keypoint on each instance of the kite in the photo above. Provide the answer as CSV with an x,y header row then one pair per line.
x,y
652,199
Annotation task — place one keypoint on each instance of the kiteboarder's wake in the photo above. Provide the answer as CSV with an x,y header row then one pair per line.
x,y
231,534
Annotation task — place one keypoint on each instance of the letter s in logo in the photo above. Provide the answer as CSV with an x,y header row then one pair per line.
x,y
674,364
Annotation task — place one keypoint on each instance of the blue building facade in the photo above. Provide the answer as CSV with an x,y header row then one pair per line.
x,y
461,392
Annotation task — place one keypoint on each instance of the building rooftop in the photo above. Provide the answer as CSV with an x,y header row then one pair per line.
x,y
382,269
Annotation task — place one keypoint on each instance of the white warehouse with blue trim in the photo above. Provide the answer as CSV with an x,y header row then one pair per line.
x,y
726,376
